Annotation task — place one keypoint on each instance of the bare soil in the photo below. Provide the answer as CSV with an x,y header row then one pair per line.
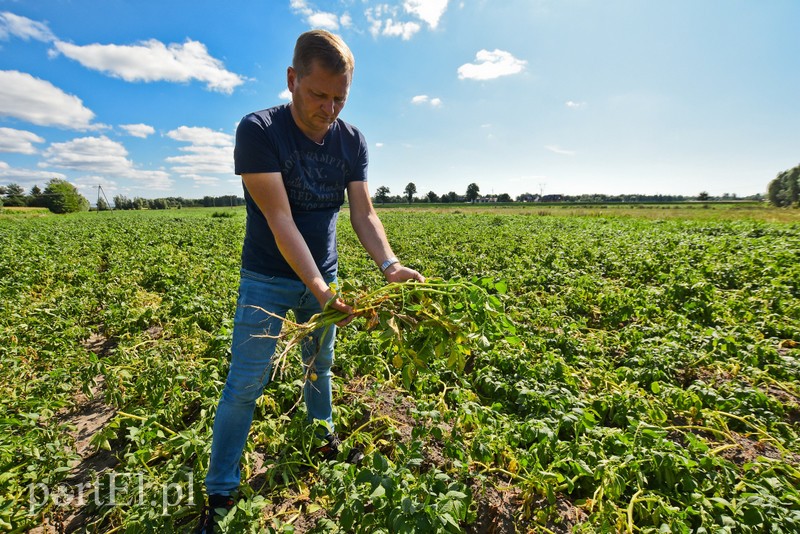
x,y
88,416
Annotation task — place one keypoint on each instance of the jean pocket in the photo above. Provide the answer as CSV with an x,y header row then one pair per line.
x,y
258,277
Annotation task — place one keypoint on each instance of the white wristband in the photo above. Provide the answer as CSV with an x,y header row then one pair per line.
x,y
388,263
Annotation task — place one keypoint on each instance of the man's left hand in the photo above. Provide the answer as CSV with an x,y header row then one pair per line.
x,y
401,273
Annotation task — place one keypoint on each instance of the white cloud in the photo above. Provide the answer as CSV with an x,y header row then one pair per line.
x,y
152,61
379,145
320,19
102,156
87,186
23,28
383,21
26,177
404,30
558,150
286,94
425,99
203,180
138,130
429,11
375,22
203,160
199,135
39,102
97,154
19,141
209,152
574,105
491,64
326,21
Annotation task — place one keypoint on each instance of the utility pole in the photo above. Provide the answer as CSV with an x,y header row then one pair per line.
x,y
99,191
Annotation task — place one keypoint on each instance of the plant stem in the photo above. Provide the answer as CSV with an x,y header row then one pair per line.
x,y
144,419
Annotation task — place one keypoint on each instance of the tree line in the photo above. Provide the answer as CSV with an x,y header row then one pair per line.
x,y
383,196
122,202
60,196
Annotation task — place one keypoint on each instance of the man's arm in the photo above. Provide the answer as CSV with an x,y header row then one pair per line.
x,y
269,194
370,232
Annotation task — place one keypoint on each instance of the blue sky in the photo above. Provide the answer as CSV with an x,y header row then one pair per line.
x,y
569,96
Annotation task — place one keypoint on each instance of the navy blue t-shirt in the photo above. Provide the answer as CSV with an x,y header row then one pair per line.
x,y
315,176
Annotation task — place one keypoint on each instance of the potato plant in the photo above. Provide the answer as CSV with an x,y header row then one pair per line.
x,y
557,373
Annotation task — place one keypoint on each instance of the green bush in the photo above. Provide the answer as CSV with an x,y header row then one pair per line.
x,y
62,197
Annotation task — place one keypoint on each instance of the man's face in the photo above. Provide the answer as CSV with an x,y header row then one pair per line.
x,y
317,99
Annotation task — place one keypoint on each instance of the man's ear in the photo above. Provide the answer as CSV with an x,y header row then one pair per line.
x,y
291,78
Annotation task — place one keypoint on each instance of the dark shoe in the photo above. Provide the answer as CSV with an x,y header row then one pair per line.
x,y
213,512
330,450
355,456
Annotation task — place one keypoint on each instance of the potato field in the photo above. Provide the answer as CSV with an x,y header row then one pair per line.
x,y
598,373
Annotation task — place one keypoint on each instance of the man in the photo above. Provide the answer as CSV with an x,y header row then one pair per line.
x,y
296,161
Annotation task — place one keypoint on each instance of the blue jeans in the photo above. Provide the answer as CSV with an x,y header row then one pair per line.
x,y
251,369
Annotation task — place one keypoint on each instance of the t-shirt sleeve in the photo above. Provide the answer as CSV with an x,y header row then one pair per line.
x,y
255,149
359,173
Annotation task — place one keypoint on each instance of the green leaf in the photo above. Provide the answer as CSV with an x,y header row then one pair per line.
x,y
409,373
378,492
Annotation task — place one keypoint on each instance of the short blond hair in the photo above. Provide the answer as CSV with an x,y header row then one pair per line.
x,y
324,47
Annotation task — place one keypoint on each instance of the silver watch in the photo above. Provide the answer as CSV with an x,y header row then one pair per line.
x,y
391,261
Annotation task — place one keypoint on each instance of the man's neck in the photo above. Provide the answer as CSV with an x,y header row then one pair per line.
x,y
316,136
